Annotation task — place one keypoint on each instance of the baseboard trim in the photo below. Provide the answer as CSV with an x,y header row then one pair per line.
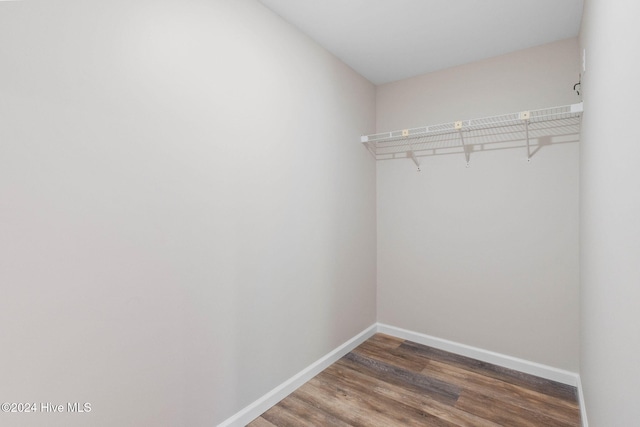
x,y
257,408
583,409
533,368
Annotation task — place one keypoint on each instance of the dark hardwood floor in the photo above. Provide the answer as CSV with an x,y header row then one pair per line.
x,y
390,382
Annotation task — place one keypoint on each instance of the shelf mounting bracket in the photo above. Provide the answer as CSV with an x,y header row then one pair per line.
x,y
467,153
413,157
410,153
525,116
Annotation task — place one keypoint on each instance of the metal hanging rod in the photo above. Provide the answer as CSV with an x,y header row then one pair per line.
x,y
445,138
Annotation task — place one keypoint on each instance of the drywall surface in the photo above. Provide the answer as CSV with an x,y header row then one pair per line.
x,y
487,255
609,212
187,218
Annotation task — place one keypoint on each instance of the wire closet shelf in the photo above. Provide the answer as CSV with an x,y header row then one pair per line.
x,y
532,129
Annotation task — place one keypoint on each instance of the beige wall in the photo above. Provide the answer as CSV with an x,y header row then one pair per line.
x,y
487,255
187,218
609,212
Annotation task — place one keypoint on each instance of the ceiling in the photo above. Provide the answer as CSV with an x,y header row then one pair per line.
x,y
389,40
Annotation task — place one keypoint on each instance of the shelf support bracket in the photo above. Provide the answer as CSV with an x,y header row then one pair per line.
x,y
525,116
467,154
413,157
410,153
526,131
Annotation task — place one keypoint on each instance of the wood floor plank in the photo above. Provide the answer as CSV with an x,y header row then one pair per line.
x,y
531,400
344,405
390,356
394,412
542,385
385,341
260,422
281,416
505,413
418,401
440,390
389,382
312,414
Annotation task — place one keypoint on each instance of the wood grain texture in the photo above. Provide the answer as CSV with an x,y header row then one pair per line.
x,y
261,422
387,381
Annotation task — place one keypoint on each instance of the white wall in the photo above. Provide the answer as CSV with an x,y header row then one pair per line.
x,y
609,212
186,216
487,255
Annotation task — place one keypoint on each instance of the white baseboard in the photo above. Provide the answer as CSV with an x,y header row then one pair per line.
x,y
533,368
257,408
583,410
